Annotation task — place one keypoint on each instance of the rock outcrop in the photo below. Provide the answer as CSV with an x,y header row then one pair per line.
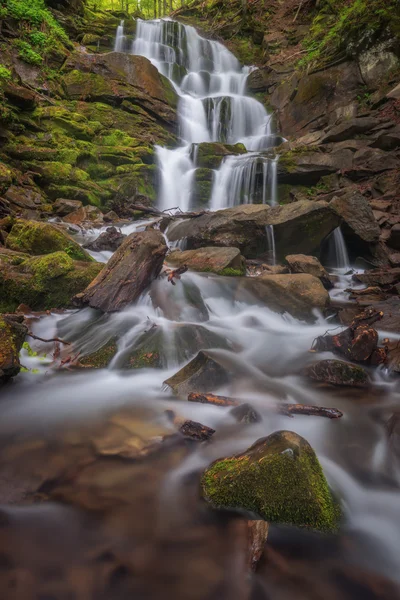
x,y
129,272
12,336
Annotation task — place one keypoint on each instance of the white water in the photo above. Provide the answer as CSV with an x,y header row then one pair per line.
x,y
119,38
213,107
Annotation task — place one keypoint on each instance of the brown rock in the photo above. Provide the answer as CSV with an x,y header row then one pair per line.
x,y
21,96
12,336
394,238
23,197
64,207
338,372
349,129
131,269
378,277
111,239
202,374
300,263
359,220
86,214
222,261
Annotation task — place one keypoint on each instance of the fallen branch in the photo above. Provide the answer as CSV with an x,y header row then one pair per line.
x,y
283,408
36,337
156,212
175,273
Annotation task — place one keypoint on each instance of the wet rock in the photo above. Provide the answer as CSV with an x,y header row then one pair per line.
x,y
222,261
357,215
307,167
100,358
298,227
349,129
37,238
110,239
111,217
12,336
279,478
85,216
196,431
337,372
43,282
202,374
64,207
297,294
209,155
257,537
131,269
378,277
300,263
245,413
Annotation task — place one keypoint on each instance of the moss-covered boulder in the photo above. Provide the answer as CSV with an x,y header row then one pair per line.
x,y
43,282
37,238
12,335
279,478
209,155
222,261
338,372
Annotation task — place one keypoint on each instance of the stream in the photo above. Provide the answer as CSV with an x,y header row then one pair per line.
x,y
265,352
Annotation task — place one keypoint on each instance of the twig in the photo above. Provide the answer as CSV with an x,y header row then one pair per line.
x,y
36,337
298,11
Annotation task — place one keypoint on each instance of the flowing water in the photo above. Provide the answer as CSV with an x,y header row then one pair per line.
x,y
264,352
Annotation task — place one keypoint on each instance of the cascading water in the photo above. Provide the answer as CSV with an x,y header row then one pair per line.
x,y
213,107
119,38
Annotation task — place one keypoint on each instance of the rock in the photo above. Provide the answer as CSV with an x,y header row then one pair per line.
x,y
130,270
394,238
307,167
376,62
279,478
43,282
202,374
394,93
100,358
110,239
209,155
116,77
259,80
297,294
338,372
12,336
300,263
298,227
388,140
111,217
378,277
358,219
20,96
196,431
245,413
21,197
368,161
86,215
64,207
349,129
257,537
222,261
34,237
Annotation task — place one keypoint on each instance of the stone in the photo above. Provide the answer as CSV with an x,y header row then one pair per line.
x,y
298,227
128,273
90,215
20,96
378,277
63,207
111,239
300,263
307,167
394,93
349,129
209,155
222,261
23,197
12,336
388,140
245,413
299,294
376,62
34,237
43,282
202,374
394,238
259,80
279,479
369,161
357,215
338,372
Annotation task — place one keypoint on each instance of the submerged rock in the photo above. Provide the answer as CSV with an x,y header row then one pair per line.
x,y
279,478
12,335
34,237
131,269
297,294
110,239
202,374
300,263
222,261
338,372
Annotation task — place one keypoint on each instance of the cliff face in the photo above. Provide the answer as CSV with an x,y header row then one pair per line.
x,y
77,121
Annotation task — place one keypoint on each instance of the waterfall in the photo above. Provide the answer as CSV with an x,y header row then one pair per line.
x,y
119,38
271,244
213,107
342,260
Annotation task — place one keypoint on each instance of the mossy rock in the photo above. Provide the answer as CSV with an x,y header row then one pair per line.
x,y
101,358
34,237
279,479
210,155
12,335
44,282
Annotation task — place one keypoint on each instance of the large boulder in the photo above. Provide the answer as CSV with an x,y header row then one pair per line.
x,y
298,294
306,167
115,77
279,478
42,282
222,261
338,372
37,238
358,217
129,272
209,155
111,239
12,335
298,227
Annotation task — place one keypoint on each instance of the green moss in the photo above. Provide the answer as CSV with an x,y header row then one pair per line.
x,y
229,272
102,357
36,238
278,478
